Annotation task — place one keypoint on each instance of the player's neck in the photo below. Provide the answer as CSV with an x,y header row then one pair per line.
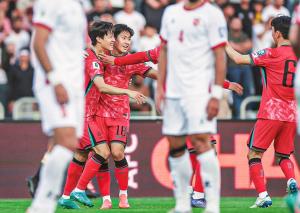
x,y
97,49
193,5
283,42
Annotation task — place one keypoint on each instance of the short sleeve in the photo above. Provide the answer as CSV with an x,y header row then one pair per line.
x,y
217,30
164,28
260,58
154,54
45,14
94,68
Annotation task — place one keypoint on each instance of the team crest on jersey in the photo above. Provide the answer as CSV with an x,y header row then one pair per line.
x,y
96,65
196,22
259,53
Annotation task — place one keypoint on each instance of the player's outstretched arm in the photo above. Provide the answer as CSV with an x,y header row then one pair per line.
x,y
136,58
39,45
108,89
236,56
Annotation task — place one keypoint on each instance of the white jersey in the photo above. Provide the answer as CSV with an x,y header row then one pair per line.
x,y
67,23
191,36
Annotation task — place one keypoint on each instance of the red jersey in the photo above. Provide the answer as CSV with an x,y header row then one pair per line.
x,y
278,67
93,68
117,106
139,57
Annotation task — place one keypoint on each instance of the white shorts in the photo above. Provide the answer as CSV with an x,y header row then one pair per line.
x,y
56,116
187,116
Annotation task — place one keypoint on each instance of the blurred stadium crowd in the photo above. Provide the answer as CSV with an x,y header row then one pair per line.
x,y
248,25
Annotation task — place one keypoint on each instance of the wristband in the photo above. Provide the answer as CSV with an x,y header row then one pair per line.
x,y
226,84
217,91
53,78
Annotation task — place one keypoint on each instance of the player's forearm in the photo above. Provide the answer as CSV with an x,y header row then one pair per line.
x,y
236,56
220,66
108,89
162,67
152,74
39,45
136,58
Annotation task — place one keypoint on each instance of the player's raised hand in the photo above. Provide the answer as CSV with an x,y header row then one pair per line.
x,y
159,99
212,108
236,88
61,94
107,59
137,96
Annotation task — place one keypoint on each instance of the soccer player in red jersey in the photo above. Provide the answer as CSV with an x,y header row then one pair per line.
x,y
115,110
276,119
93,138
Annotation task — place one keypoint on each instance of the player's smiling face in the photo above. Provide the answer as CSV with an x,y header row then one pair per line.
x,y
108,41
123,42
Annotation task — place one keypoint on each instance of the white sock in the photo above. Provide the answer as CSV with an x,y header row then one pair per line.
x,y
263,194
123,192
65,196
198,195
211,179
78,190
107,197
181,172
52,175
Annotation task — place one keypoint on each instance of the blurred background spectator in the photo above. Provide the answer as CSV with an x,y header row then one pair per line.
x,y
248,24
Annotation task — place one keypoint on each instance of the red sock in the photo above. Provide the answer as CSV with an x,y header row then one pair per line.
x,y
121,173
91,168
257,174
198,180
74,172
103,178
287,168
193,161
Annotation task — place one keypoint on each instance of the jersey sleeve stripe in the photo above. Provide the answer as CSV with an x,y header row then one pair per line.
x,y
222,44
251,59
164,41
37,24
149,56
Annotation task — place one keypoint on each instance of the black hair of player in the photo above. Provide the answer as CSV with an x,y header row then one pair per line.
x,y
99,29
282,24
119,28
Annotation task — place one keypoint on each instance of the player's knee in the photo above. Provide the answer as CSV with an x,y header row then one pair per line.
x,y
121,163
117,155
177,151
254,154
66,137
201,143
102,151
81,156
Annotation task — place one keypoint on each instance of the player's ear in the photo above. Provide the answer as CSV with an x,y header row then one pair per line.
x,y
99,40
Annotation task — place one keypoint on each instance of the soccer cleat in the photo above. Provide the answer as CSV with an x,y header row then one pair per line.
x,y
32,185
198,203
292,187
106,204
67,203
123,203
81,198
262,202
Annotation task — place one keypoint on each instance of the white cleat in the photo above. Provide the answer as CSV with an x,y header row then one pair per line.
x,y
262,202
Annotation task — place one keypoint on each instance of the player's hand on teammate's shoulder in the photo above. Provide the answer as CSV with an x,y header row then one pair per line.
x,y
236,88
61,94
137,96
212,108
107,59
159,99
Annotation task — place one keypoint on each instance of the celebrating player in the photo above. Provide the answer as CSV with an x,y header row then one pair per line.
x,y
58,86
276,119
94,135
194,33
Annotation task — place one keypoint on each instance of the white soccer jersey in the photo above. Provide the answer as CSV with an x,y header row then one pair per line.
x,y
191,36
67,23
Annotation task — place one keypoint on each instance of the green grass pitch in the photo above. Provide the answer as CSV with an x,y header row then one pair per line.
x,y
152,205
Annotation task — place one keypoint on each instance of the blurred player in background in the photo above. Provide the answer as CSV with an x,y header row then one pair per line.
x,y
103,40
293,203
194,34
115,113
58,41
276,119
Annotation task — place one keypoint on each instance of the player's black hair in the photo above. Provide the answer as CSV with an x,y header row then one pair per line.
x,y
282,24
119,28
99,29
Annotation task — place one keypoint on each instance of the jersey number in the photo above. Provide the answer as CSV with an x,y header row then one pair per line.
x,y
288,77
180,36
121,131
